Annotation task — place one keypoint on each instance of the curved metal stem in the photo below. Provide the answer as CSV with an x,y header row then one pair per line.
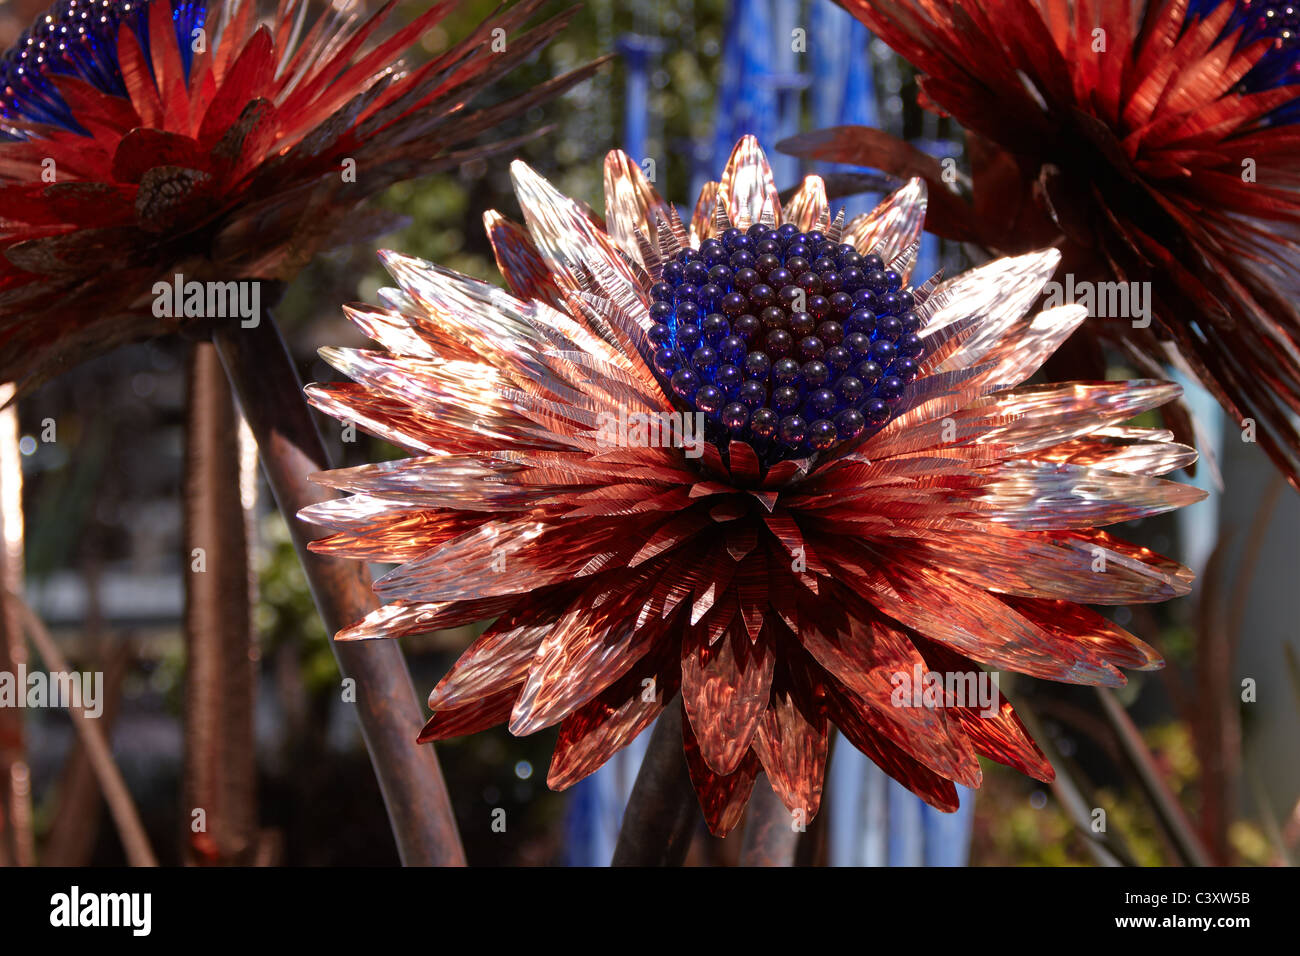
x,y
1165,805
662,812
134,839
769,839
270,394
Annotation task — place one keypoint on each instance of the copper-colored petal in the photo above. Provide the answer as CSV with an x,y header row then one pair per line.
x,y
747,188
402,619
752,592
471,718
567,234
702,218
1049,496
892,227
745,467
498,558
722,796
1075,623
1134,451
712,584
1070,565
808,206
612,719
934,789
725,688
791,742
865,653
999,292
519,261
500,657
993,730
1040,416
977,625
631,204
598,639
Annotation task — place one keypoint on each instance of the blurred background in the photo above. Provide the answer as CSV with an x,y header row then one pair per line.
x,y
103,559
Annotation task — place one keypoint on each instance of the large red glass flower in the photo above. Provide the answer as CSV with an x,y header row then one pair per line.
x,y
146,138
750,464
1151,142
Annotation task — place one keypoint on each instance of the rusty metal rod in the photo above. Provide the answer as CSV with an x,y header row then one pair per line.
x,y
1168,811
219,768
135,841
269,391
662,812
770,836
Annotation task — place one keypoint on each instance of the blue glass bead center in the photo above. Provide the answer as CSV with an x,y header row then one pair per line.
x,y
784,339
79,38
1255,20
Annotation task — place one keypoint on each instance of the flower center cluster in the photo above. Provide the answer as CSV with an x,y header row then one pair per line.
x,y
1254,20
79,38
784,339
1265,18
1279,23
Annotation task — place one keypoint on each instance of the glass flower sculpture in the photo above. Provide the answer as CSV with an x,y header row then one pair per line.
x,y
1151,142
145,138
750,464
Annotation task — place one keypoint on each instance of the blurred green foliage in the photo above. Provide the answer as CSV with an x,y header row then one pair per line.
x,y
1018,823
285,615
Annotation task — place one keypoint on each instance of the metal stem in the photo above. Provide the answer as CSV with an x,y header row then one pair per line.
x,y
220,771
662,812
769,840
270,394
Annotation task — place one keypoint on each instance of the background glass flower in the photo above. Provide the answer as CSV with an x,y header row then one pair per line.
x,y
894,502
1152,142
146,138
